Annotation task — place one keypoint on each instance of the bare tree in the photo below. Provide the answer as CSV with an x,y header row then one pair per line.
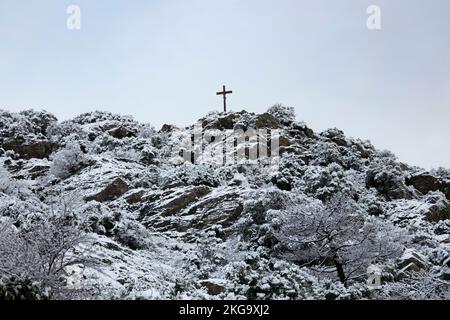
x,y
336,233
43,253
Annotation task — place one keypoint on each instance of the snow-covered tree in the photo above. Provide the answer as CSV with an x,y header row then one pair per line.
x,y
338,234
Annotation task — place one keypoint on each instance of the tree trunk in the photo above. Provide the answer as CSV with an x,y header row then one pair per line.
x,y
340,272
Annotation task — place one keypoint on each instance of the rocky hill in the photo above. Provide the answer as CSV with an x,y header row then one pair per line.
x,y
108,214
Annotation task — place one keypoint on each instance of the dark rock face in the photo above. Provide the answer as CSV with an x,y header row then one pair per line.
x,y
439,209
114,190
267,121
135,197
183,200
170,202
438,213
39,149
122,132
300,131
425,183
212,287
223,210
38,171
226,122
167,128
412,261
388,185
365,154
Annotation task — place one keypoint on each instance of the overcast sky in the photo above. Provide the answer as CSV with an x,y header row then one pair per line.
x,y
163,61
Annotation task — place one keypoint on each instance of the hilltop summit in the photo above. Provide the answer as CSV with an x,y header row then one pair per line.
x,y
163,230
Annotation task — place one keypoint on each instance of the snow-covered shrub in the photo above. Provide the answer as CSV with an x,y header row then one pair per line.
x,y
23,212
146,131
5,180
289,173
258,277
423,285
148,155
12,289
442,173
102,116
42,253
68,161
286,115
371,203
25,123
207,175
387,177
99,218
105,143
67,132
132,234
326,153
324,182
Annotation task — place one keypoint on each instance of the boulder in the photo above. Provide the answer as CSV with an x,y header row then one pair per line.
x,y
411,267
114,190
438,212
412,261
214,287
388,185
38,149
438,208
424,183
224,123
284,141
267,121
445,275
365,154
167,128
122,132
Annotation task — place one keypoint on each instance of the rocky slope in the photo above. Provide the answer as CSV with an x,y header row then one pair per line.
x,y
165,230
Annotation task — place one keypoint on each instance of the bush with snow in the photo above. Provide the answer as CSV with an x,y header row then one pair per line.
x,y
68,161
286,115
42,253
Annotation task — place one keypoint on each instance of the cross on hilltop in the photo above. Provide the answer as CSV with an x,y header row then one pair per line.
x,y
224,93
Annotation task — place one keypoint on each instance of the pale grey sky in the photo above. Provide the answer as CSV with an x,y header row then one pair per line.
x,y
163,61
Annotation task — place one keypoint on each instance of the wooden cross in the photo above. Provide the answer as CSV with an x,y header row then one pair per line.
x,y
224,93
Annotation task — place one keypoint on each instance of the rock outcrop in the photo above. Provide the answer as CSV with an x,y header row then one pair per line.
x,y
112,191
425,183
29,149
